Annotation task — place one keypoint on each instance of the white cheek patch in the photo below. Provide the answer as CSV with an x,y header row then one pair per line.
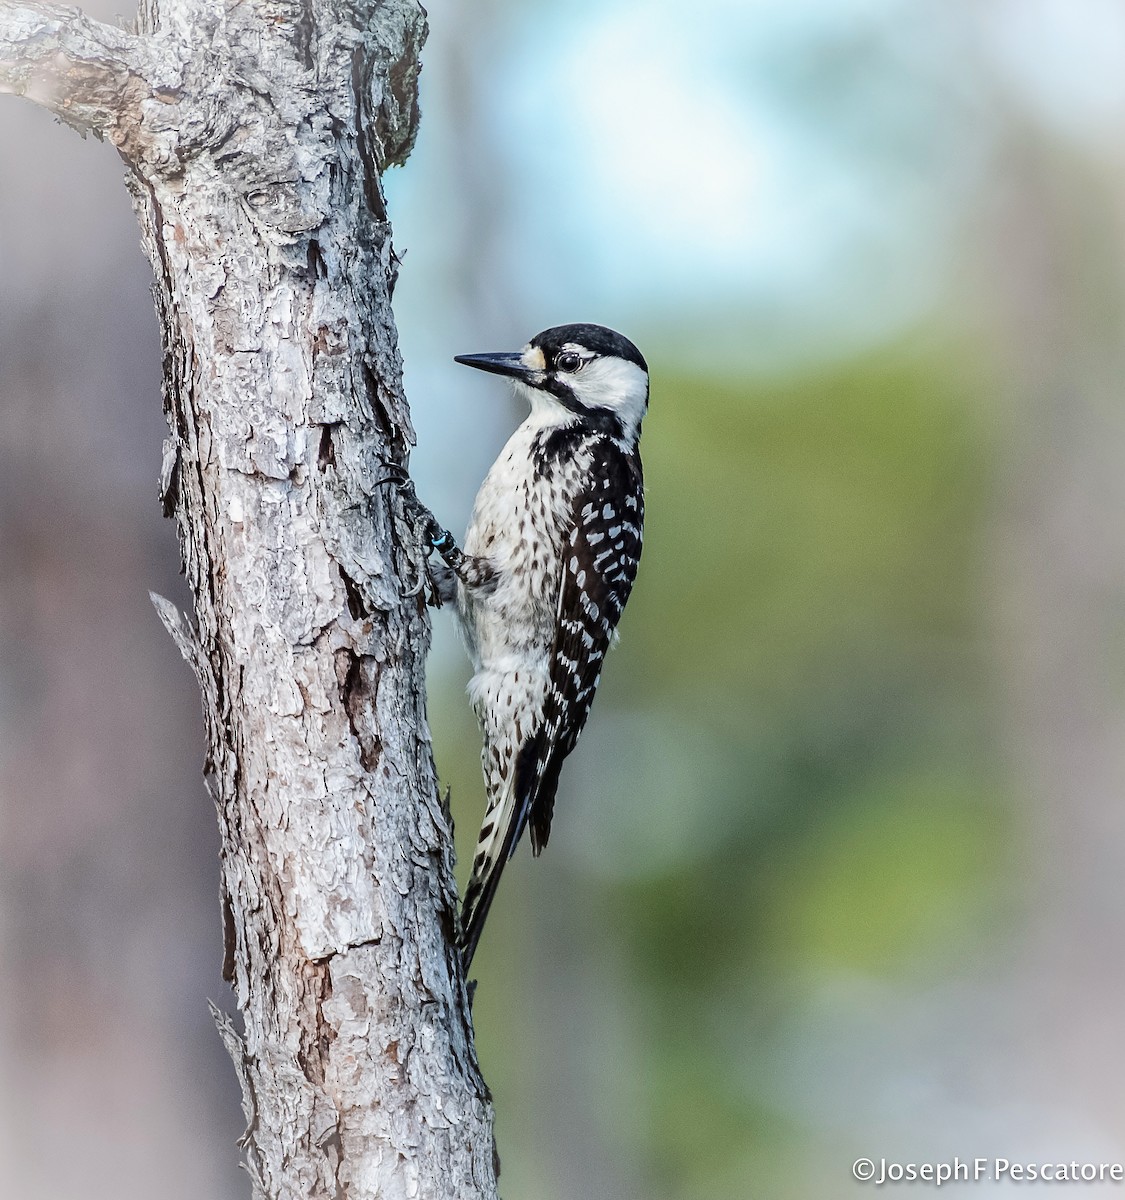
x,y
616,384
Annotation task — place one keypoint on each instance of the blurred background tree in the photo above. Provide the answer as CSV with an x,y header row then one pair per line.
x,y
835,868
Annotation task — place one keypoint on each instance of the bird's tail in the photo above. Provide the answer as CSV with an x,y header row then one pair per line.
x,y
503,823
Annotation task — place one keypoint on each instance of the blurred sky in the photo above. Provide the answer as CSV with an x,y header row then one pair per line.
x,y
810,159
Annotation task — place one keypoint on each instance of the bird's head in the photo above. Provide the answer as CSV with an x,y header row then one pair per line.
x,y
577,373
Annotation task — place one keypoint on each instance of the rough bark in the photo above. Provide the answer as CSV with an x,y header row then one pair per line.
x,y
254,137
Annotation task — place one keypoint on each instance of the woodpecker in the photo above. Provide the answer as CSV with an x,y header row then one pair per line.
x,y
549,560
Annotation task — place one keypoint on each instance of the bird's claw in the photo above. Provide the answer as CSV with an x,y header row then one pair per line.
x,y
425,534
396,473
419,517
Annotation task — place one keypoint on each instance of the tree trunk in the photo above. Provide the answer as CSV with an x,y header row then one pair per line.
x,y
254,137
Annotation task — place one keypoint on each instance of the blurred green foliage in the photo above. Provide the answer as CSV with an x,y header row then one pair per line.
x,y
789,775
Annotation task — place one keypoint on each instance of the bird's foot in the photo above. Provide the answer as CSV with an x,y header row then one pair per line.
x,y
420,534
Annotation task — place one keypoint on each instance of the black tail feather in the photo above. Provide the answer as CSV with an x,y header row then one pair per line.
x,y
479,897
537,779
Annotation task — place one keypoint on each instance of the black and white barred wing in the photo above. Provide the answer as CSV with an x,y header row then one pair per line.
x,y
599,566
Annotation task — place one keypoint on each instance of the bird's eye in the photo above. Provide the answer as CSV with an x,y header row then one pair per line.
x,y
568,361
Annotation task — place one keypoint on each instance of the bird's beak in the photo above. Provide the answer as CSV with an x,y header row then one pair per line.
x,y
497,364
